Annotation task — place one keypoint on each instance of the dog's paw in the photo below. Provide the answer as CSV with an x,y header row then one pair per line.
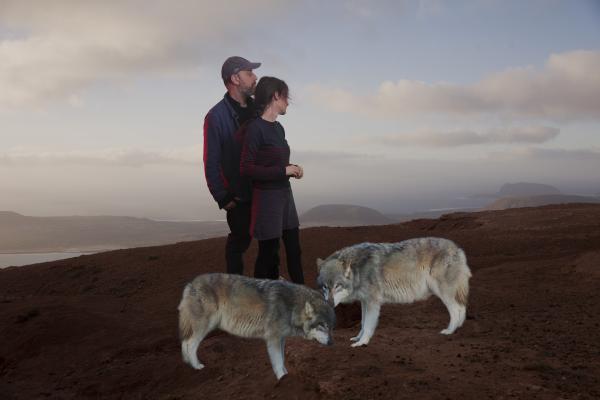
x,y
446,331
355,338
359,343
281,374
198,366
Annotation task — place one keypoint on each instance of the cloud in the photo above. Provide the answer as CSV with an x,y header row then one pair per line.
x,y
309,156
106,157
430,7
367,11
54,52
537,153
426,138
567,87
130,157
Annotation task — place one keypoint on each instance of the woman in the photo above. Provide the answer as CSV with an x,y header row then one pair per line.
x,y
266,160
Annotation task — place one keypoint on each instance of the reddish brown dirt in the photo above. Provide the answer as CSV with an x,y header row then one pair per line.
x,y
105,325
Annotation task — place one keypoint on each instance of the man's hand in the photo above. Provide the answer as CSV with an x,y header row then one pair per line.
x,y
230,206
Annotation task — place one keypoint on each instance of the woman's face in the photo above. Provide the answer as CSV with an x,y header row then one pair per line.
x,y
281,102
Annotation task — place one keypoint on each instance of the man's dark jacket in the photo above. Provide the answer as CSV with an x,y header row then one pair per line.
x,y
223,142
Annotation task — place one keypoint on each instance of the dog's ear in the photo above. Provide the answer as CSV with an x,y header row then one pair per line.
x,y
319,264
347,269
309,310
346,266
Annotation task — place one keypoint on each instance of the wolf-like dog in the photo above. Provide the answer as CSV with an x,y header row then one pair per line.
x,y
252,308
404,272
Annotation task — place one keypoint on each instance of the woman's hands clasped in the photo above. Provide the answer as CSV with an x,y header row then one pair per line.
x,y
295,171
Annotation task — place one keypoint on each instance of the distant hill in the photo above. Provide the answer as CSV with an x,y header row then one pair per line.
x,y
526,189
534,201
23,234
343,215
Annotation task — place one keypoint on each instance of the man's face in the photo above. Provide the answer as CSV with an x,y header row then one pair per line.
x,y
246,81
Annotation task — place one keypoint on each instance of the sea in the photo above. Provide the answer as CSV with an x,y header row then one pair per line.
x,y
19,259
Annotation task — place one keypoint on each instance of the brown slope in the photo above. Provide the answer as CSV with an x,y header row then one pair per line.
x,y
104,326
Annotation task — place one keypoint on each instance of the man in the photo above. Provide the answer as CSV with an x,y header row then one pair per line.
x,y
222,149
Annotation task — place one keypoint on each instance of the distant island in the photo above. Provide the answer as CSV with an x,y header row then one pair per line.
x,y
535,201
25,234
343,215
519,189
526,189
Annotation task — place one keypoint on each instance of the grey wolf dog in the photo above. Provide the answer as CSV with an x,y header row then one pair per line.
x,y
404,272
253,308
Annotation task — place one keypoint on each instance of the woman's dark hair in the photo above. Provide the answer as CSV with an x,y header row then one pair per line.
x,y
265,90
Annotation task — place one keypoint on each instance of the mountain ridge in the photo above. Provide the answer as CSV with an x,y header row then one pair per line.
x,y
343,215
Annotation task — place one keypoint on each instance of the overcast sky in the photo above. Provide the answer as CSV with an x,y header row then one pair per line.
x,y
396,105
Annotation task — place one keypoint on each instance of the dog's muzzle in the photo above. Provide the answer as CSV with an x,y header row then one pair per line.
x,y
330,299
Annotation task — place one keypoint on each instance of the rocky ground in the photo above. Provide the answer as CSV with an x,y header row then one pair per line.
x,y
105,325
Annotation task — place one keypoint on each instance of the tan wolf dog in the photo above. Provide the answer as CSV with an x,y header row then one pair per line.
x,y
252,308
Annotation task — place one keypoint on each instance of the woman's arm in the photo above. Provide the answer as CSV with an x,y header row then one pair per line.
x,y
248,165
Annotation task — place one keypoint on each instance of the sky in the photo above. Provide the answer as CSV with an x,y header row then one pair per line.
x,y
400,105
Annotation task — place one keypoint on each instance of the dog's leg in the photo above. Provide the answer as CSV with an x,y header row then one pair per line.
x,y
457,313
462,315
371,317
362,322
282,345
189,347
275,349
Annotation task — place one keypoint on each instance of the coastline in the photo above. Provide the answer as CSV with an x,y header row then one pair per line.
x,y
21,259
48,251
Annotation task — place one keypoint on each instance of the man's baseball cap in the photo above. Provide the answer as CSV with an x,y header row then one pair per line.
x,y
235,64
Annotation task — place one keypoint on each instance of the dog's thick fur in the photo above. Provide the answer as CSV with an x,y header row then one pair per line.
x,y
252,308
404,272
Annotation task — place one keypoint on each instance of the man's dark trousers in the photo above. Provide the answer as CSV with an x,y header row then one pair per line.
x,y
238,240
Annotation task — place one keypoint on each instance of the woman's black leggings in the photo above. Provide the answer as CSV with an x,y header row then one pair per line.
x,y
267,262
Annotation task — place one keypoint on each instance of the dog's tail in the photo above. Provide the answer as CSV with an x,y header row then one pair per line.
x,y
462,284
186,329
